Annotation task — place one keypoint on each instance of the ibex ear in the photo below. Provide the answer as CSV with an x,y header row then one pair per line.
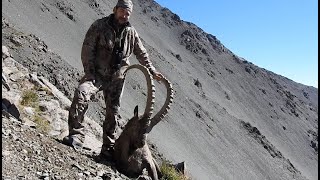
x,y
136,111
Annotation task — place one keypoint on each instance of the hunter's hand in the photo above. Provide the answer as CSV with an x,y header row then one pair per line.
x,y
157,76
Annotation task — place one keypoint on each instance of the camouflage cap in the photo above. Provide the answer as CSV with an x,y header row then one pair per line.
x,y
127,4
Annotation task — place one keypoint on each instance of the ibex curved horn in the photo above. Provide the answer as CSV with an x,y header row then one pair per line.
x,y
150,86
166,106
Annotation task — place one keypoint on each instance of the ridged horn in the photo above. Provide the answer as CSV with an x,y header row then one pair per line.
x,y
166,106
150,86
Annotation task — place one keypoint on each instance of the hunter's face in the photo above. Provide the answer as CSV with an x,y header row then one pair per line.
x,y
122,15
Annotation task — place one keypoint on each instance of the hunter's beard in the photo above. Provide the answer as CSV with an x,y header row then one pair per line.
x,y
121,21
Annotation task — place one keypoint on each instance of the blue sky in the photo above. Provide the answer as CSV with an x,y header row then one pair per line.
x,y
278,35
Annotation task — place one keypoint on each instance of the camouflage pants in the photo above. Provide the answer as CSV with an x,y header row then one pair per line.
x,y
112,91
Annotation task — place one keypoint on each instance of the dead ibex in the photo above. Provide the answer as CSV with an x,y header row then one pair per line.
x,y
131,151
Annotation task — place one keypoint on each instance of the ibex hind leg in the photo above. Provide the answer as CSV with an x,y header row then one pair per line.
x,y
152,169
157,168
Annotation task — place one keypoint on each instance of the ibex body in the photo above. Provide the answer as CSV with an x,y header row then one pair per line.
x,y
131,150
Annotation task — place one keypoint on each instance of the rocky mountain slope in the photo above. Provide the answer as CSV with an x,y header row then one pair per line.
x,y
34,121
230,119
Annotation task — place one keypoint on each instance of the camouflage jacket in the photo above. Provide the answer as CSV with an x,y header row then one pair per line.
x,y
98,45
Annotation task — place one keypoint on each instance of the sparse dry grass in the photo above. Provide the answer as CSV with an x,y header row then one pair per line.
x,y
30,98
43,124
170,173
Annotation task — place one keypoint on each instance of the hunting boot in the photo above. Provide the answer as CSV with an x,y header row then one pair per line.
x,y
110,126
